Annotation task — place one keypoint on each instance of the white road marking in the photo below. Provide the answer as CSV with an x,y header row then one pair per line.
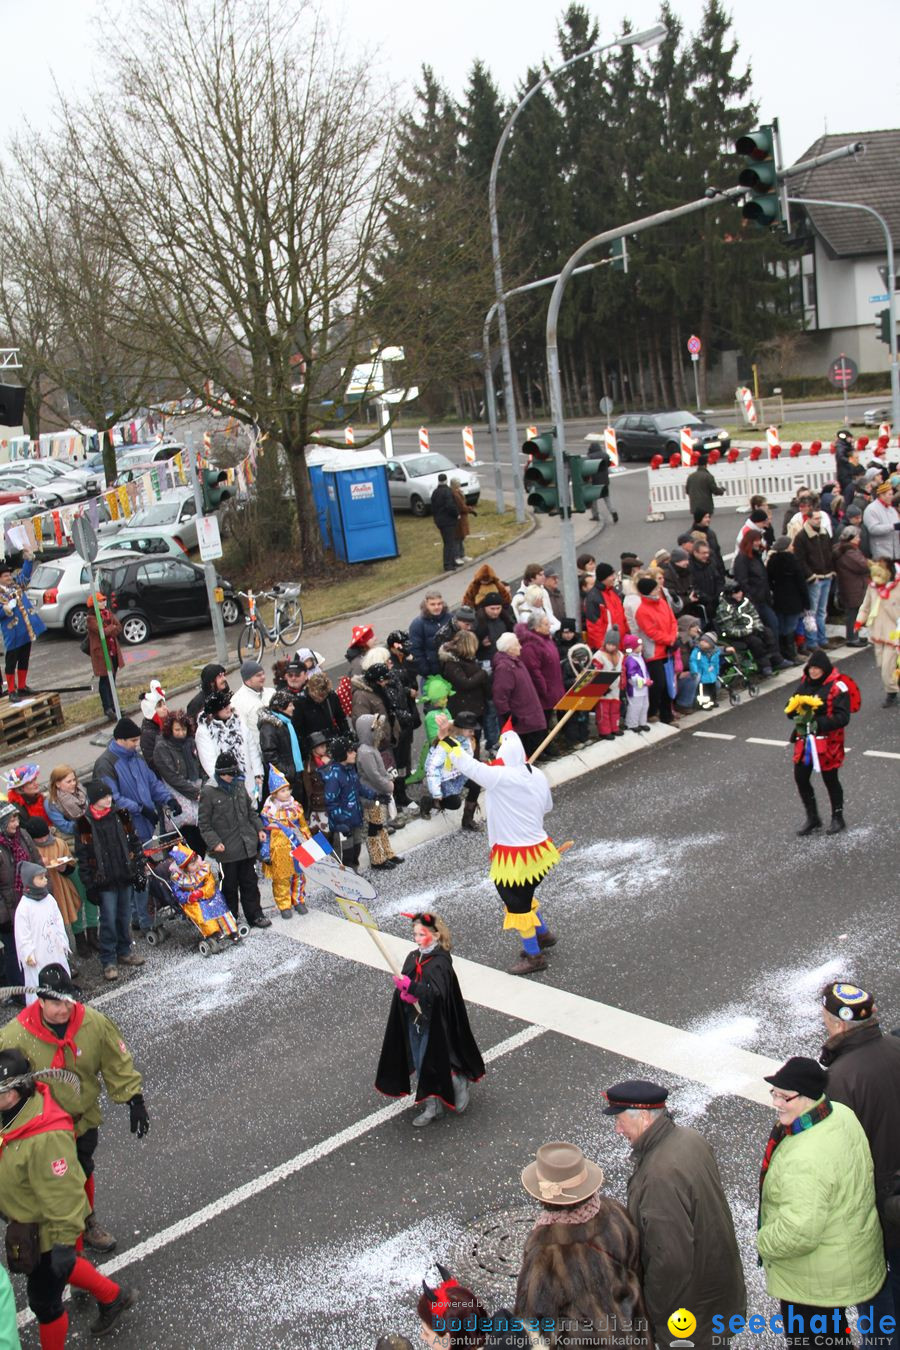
x,y
764,740
267,1180
714,735
882,754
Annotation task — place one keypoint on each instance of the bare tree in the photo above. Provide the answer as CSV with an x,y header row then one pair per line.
x,y
259,161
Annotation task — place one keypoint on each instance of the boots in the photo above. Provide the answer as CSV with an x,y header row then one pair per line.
x,y
813,820
468,817
789,650
890,699
96,1237
81,944
546,939
837,823
528,965
433,1111
460,1093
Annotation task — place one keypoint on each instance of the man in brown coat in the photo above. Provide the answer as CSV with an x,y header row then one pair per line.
x,y
689,1252
112,631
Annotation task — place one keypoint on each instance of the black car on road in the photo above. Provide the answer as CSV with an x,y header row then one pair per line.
x,y
643,435
153,595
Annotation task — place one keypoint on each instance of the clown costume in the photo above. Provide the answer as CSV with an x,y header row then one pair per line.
x,y
287,828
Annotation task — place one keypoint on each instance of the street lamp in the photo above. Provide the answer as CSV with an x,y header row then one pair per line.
x,y
647,38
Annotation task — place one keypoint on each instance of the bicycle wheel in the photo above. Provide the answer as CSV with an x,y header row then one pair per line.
x,y
291,626
251,643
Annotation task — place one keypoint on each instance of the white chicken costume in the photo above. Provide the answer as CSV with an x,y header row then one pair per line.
x,y
516,799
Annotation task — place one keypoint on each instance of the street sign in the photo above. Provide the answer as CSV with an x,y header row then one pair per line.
x,y
84,537
606,406
208,538
694,345
843,373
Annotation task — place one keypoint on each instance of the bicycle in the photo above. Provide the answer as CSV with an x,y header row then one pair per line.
x,y
287,621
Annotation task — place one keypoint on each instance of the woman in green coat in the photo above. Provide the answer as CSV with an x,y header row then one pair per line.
x,y
819,1235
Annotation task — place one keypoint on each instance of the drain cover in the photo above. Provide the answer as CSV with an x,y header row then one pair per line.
x,y
487,1256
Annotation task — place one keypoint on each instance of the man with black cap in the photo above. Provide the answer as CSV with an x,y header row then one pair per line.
x,y
135,787
58,1031
864,1073
233,830
212,677
42,1196
689,1252
818,1234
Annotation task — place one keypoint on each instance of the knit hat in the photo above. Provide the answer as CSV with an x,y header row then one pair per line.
x,y
613,636
24,773
603,571
848,1002
647,585
249,669
281,700
679,555
710,638
466,613
216,701
95,790
685,537
800,1075
631,642
277,780
782,543
27,873
125,729
36,826
227,763
492,598
7,809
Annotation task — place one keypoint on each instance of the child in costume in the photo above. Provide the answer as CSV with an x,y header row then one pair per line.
x,y
436,694
705,662
609,658
443,780
197,892
39,929
637,685
517,797
287,828
23,791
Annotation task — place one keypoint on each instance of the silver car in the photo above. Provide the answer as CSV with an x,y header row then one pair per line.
x,y
174,515
59,591
50,485
413,478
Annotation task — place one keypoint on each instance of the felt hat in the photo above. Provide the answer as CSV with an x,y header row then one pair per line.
x,y
249,669
317,738
886,490
801,1075
16,1073
277,779
227,763
297,666
635,1094
22,774
96,789
848,1002
54,981
125,729
561,1175
362,635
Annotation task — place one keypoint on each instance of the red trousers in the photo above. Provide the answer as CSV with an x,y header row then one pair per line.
x,y
608,716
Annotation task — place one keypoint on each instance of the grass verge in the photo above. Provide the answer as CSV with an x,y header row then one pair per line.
x,y
823,431
88,707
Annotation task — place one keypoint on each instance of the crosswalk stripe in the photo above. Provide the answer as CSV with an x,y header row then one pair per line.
x,y
882,754
714,736
764,740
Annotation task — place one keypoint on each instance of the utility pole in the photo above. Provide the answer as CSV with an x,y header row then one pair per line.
x,y
209,569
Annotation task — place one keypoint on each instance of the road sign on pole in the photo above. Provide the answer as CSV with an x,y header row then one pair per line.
x,y
695,346
843,374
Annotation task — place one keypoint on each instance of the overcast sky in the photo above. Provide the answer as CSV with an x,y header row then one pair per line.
x,y
823,66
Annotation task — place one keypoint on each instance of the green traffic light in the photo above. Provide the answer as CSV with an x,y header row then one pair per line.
x,y
883,326
584,492
759,144
760,176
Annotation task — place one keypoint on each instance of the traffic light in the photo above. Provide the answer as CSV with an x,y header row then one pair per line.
x,y
618,252
213,488
760,175
584,492
883,326
541,487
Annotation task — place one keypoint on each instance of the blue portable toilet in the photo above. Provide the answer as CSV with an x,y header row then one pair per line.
x,y
360,519
320,497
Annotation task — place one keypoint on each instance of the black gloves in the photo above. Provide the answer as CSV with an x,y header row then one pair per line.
x,y
173,808
140,1120
62,1261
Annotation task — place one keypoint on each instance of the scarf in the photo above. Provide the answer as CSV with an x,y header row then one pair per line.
x,y
52,1117
35,1025
821,1111
19,851
295,744
71,804
98,812
583,1213
229,736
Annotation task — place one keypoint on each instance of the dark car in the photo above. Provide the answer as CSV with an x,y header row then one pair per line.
x,y
153,595
643,435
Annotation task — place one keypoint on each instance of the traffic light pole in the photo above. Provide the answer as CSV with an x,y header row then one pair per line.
x,y
209,569
490,401
892,294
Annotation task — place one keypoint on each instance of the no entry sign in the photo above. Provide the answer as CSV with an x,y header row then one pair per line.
x,y
843,373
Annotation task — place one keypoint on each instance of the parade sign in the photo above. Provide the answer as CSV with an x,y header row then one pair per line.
x,y
356,912
587,691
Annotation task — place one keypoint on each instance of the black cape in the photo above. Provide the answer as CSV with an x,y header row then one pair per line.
x,y
451,1045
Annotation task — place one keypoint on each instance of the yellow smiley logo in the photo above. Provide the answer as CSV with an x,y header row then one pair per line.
x,y
682,1323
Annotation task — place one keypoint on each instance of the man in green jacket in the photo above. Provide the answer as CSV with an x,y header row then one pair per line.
x,y
819,1237
57,1031
42,1197
689,1252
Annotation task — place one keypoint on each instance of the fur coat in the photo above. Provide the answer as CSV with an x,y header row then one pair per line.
x,y
582,1266
483,583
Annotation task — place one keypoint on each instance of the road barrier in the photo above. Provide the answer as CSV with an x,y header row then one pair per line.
x,y
775,479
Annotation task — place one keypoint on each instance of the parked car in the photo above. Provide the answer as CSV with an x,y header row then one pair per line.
x,y
643,435
413,478
61,467
174,515
149,542
49,487
146,452
873,417
153,595
131,470
59,591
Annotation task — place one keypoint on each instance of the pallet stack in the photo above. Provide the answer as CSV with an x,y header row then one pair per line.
x,y
20,722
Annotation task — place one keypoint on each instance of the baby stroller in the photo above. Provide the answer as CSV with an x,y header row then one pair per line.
x,y
170,902
739,671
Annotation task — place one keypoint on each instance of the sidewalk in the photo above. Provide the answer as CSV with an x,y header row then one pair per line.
x,y
332,638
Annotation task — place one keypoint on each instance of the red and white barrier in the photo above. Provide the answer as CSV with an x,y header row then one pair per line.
x,y
773,441
687,445
348,436
745,398
468,445
530,433
610,446
423,440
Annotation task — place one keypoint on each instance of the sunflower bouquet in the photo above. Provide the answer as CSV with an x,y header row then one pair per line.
x,y
803,709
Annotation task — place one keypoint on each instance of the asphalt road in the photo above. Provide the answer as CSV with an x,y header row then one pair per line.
x,y
686,900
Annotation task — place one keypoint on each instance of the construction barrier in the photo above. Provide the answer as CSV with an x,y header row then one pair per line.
x,y
530,433
775,479
747,406
468,445
348,436
773,441
687,445
610,446
423,440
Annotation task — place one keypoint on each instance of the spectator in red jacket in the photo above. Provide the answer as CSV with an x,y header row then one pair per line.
x,y
603,607
657,628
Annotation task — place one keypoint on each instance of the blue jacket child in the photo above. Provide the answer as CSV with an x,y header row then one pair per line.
x,y
706,660
343,788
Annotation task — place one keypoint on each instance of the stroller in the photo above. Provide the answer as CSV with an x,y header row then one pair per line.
x,y
739,671
170,901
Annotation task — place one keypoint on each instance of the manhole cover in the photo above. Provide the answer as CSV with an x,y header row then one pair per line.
x,y
486,1258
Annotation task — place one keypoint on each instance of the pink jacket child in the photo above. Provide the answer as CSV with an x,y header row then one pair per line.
x,y
637,685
